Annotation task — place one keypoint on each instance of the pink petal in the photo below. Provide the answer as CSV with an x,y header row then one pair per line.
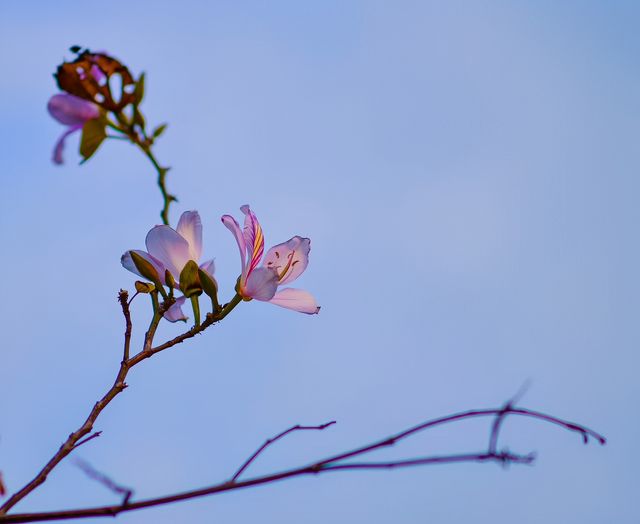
x,y
253,238
175,313
169,248
289,259
261,284
127,263
208,267
296,299
71,110
234,227
190,227
59,147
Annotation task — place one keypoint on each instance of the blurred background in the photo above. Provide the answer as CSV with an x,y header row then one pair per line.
x,y
468,175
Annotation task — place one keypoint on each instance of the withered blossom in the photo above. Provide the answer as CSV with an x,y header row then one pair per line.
x,y
90,77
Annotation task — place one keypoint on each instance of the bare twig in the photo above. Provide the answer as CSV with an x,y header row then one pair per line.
x,y
497,423
96,475
210,319
336,462
74,439
167,197
503,457
272,440
122,298
85,440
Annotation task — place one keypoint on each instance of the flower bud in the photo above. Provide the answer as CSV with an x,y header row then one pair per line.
x,y
145,268
168,278
208,283
190,280
144,287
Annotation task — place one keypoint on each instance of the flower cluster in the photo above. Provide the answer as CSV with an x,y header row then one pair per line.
x,y
92,102
173,257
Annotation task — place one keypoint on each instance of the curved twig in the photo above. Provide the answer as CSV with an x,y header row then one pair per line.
x,y
272,440
336,462
76,438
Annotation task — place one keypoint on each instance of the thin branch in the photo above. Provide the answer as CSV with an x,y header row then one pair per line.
x,y
123,299
75,439
71,443
210,319
96,475
333,463
85,440
272,440
503,458
497,423
390,441
167,197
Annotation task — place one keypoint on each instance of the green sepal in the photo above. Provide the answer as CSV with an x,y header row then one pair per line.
x,y
239,293
144,287
190,280
93,134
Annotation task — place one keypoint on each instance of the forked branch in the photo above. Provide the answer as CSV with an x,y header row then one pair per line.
x,y
338,462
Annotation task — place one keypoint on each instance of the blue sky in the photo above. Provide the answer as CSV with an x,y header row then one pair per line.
x,y
468,175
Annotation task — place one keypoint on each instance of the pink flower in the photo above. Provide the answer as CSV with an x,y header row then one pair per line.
x,y
282,264
170,249
73,112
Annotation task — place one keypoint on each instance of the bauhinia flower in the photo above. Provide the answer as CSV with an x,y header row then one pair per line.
x,y
170,250
282,264
74,113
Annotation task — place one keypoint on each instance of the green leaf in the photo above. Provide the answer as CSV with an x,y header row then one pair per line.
x,y
159,130
138,92
138,117
190,280
93,133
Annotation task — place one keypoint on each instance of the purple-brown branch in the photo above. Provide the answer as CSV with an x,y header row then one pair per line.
x,y
338,462
89,438
77,438
108,483
272,440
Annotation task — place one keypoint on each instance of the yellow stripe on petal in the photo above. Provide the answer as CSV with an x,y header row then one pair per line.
x,y
258,245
